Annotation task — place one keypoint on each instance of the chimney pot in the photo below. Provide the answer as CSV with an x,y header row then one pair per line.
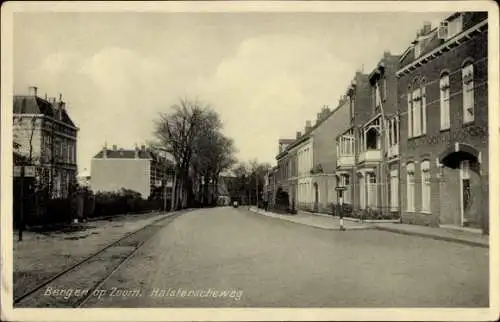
x,y
33,90
143,147
114,147
298,134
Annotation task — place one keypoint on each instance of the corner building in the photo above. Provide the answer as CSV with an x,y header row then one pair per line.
x,y
443,107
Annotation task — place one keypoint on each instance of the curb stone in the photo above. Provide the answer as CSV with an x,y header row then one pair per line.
x,y
431,236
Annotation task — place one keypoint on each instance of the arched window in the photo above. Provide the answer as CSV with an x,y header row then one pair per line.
x,y
468,91
410,187
444,96
372,139
426,186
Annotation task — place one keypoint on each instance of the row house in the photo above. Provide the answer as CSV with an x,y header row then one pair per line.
x,y
283,172
45,136
316,155
148,171
443,105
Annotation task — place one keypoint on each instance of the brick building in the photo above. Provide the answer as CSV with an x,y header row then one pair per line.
x,y
442,94
141,169
45,136
283,171
378,146
358,99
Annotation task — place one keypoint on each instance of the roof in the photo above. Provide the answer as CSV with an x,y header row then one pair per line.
x,y
29,104
130,154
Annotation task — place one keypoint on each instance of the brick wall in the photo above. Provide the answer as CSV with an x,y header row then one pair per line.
x,y
444,200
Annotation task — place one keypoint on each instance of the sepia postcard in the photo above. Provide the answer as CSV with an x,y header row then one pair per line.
x,y
250,161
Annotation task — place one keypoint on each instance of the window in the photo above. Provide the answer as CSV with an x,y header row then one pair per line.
x,y
417,113
468,92
426,187
372,190
444,85
410,187
394,187
372,142
410,115
455,26
344,182
362,192
424,109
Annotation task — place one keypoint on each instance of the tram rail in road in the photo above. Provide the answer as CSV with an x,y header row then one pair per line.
x,y
88,274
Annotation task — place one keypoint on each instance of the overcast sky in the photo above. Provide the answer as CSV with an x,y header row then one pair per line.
x,y
265,73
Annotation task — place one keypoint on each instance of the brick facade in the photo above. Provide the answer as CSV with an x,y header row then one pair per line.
x,y
444,149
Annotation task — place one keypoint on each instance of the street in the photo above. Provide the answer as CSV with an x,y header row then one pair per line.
x,y
225,257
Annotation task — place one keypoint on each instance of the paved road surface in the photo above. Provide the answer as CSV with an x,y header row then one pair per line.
x,y
268,262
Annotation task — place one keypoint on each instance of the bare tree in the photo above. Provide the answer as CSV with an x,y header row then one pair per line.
x,y
192,132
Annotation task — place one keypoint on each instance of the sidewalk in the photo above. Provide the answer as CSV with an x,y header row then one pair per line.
x,y
42,255
323,222
468,237
442,233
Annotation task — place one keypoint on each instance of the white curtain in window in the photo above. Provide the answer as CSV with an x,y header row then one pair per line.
x,y
410,187
424,110
394,186
362,192
444,84
426,187
410,116
372,190
468,92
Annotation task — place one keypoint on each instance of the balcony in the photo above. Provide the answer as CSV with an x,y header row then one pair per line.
x,y
345,161
370,156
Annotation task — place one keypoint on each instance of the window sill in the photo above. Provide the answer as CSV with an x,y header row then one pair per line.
x,y
444,130
426,212
467,124
416,137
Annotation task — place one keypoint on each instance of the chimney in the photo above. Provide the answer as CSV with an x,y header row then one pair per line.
x,y
33,90
387,53
136,151
143,147
308,126
114,147
104,151
426,28
60,97
319,116
298,135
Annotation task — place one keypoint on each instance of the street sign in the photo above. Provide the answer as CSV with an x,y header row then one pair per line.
x,y
29,171
342,188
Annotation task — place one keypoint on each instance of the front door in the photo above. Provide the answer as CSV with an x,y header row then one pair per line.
x,y
469,195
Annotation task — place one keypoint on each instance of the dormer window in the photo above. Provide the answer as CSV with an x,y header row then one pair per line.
x,y
454,26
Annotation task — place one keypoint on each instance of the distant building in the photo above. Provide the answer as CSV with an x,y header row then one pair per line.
x,y
46,137
83,178
443,103
141,169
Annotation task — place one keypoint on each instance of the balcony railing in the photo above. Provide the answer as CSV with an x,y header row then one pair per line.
x,y
345,161
370,156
